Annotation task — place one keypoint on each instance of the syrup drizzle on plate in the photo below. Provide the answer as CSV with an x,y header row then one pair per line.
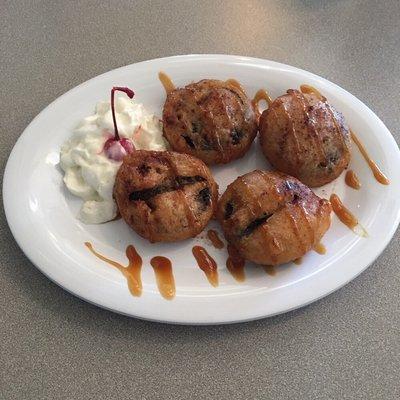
x,y
164,277
131,272
166,82
320,248
235,264
346,216
207,264
352,180
215,239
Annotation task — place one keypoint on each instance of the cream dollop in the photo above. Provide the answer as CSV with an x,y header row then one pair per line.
x,y
88,173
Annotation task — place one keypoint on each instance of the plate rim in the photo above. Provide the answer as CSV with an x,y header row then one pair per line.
x,y
32,257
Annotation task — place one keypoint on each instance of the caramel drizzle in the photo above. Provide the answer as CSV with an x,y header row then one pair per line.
x,y
295,137
295,228
235,264
166,82
261,94
378,174
214,239
164,277
352,180
311,90
255,200
216,140
190,215
236,84
342,212
316,136
320,248
269,269
131,272
345,216
275,241
337,128
207,264
216,136
219,145
305,215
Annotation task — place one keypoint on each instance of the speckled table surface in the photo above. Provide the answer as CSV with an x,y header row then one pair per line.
x,y
53,345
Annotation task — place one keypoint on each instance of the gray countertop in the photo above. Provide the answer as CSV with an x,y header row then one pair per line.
x,y
53,345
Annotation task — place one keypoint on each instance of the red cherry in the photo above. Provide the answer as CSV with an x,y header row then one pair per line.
x,y
117,148
127,145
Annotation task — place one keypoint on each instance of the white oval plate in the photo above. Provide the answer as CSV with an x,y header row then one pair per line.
x,y
41,213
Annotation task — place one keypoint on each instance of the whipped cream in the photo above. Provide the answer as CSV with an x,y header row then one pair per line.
x,y
88,173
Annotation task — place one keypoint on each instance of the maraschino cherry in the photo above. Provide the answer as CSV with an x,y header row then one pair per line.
x,y
117,148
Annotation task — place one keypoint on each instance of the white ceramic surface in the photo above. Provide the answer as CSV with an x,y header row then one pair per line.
x,y
41,213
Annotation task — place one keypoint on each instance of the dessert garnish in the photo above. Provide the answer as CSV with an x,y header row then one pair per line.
x,y
116,148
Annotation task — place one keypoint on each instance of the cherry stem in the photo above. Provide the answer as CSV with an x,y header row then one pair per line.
x,y
130,94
